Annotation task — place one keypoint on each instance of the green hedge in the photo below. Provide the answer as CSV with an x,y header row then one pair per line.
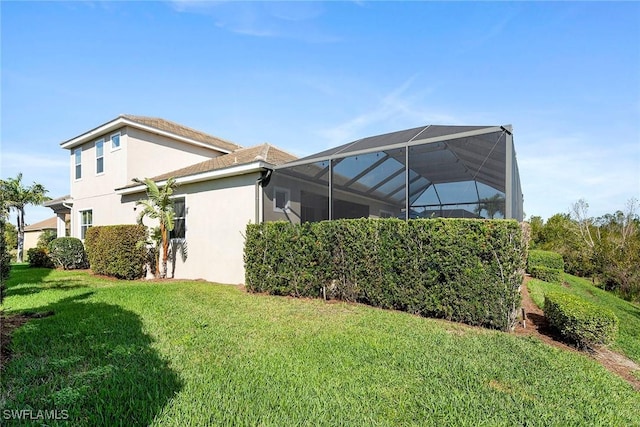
x,y
551,275
548,259
39,258
68,253
117,250
463,270
580,321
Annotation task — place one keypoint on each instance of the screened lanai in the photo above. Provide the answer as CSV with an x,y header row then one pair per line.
x,y
425,172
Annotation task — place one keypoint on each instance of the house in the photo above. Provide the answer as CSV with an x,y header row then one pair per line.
x,y
33,232
452,171
216,198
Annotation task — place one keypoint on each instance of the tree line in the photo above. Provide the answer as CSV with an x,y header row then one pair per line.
x,y
605,248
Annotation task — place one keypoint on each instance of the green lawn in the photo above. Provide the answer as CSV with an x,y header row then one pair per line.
x,y
628,339
194,353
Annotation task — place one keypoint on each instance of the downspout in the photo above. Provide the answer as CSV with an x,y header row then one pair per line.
x,y
265,177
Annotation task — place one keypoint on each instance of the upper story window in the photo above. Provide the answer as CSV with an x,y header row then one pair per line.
x,y
77,154
179,220
115,141
100,156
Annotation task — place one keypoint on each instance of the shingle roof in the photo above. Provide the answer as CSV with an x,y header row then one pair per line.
x,y
47,224
181,130
265,152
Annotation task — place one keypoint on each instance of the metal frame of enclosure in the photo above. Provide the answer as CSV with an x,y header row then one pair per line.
x,y
425,172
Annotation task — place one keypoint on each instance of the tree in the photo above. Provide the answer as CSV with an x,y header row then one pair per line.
x,y
17,197
11,236
159,206
493,205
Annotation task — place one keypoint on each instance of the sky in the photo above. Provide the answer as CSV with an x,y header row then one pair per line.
x,y
307,76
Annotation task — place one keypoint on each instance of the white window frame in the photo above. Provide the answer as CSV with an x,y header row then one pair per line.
x,y
77,156
287,204
119,135
181,197
82,225
100,141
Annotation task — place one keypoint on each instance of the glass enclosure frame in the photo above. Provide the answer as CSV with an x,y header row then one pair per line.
x,y
432,171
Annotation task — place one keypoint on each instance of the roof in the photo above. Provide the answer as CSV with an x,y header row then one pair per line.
x,y
266,153
47,224
155,125
401,138
178,129
442,161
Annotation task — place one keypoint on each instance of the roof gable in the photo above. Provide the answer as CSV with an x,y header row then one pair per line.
x,y
158,126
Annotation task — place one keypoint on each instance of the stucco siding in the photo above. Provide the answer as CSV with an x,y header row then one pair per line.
x,y
150,155
30,240
217,215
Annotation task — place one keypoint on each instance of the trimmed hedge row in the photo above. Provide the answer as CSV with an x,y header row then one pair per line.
x,y
548,259
68,253
551,275
458,269
580,321
117,250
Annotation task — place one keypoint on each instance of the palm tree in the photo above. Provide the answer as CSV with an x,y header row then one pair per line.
x,y
493,205
17,197
159,206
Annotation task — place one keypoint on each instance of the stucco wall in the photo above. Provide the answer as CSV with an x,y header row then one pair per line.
x,y
30,240
141,154
217,215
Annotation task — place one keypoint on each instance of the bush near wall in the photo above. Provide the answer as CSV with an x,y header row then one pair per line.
x,y
117,250
548,259
580,321
68,253
458,269
39,258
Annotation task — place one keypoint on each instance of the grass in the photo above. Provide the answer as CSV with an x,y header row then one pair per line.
x,y
628,339
190,353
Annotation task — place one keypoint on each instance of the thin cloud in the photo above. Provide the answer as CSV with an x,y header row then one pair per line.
x,y
293,20
400,107
557,171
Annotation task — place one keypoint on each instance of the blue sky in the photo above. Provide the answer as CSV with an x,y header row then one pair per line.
x,y
308,76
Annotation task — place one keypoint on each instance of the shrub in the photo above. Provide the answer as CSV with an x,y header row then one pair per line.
x,y
548,259
580,321
551,275
68,253
117,250
46,237
39,257
463,270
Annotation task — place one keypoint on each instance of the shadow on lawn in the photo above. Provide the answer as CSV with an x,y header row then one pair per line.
x,y
92,360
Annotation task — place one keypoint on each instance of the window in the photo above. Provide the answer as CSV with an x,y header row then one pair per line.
x,y
115,141
86,221
281,200
100,156
179,221
77,153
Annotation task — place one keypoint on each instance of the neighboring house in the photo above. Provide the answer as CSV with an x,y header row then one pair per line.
x,y
453,171
216,198
33,232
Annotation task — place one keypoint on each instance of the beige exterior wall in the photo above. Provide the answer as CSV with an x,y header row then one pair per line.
x,y
141,154
31,240
217,215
